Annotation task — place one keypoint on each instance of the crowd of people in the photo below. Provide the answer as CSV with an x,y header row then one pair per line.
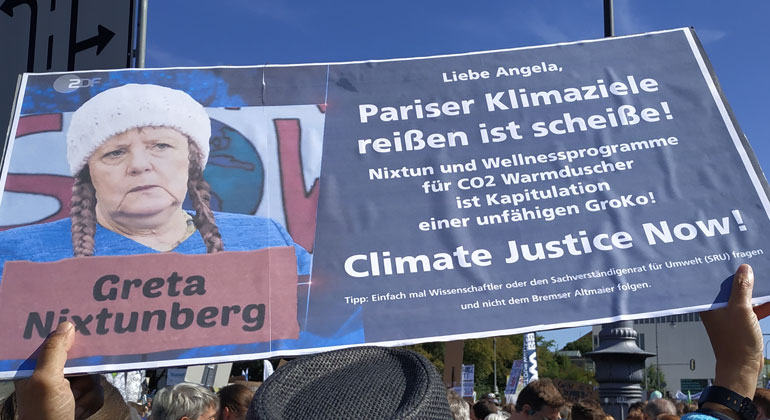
x,y
100,400
391,383
543,395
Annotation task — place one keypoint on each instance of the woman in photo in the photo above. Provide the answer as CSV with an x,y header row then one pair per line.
x,y
136,151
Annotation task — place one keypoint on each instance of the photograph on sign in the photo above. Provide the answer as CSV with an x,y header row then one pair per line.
x,y
440,198
112,176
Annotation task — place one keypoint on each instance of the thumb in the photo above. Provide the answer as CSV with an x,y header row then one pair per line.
x,y
743,284
53,355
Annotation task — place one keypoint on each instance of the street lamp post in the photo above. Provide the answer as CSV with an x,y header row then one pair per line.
x,y
765,366
619,368
494,364
657,357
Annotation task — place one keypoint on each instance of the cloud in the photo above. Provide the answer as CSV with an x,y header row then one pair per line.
x,y
708,36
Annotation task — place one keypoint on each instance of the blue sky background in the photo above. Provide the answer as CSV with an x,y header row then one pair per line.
x,y
735,35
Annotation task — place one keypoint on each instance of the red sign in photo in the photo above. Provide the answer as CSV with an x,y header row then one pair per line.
x,y
164,301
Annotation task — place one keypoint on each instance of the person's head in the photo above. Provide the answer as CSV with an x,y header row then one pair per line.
x,y
587,410
483,408
679,405
492,397
539,400
353,383
136,151
141,409
458,406
654,408
114,407
185,401
636,407
509,408
234,402
762,401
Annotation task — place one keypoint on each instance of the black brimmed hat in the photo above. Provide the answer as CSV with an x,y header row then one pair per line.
x,y
357,383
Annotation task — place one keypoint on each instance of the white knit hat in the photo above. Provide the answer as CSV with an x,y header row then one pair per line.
x,y
122,108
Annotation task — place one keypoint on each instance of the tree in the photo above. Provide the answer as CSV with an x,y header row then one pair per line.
x,y
653,378
552,365
433,352
480,353
582,344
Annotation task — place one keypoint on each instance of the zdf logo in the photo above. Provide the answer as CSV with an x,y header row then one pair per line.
x,y
70,82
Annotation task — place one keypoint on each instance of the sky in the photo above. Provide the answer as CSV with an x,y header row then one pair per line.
x,y
253,32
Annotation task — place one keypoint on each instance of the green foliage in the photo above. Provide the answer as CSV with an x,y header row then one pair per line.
x,y
480,353
433,352
653,378
582,344
552,365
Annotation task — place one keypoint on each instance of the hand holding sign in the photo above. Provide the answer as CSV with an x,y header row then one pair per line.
x,y
736,337
47,395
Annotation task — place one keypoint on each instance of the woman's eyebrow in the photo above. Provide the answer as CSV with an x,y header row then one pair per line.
x,y
160,137
117,145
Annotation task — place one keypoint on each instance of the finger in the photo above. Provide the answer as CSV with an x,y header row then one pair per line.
x,y
53,356
762,310
743,284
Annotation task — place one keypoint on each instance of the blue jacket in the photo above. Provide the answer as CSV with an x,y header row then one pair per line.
x,y
52,242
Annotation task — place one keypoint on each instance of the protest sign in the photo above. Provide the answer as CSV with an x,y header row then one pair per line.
x,y
468,381
544,187
262,160
461,196
228,298
511,390
529,351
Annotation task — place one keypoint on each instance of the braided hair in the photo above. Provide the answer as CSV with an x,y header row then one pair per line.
x,y
83,211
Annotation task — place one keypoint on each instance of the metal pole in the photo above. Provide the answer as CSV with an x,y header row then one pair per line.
x,y
609,19
657,357
494,347
141,44
765,366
